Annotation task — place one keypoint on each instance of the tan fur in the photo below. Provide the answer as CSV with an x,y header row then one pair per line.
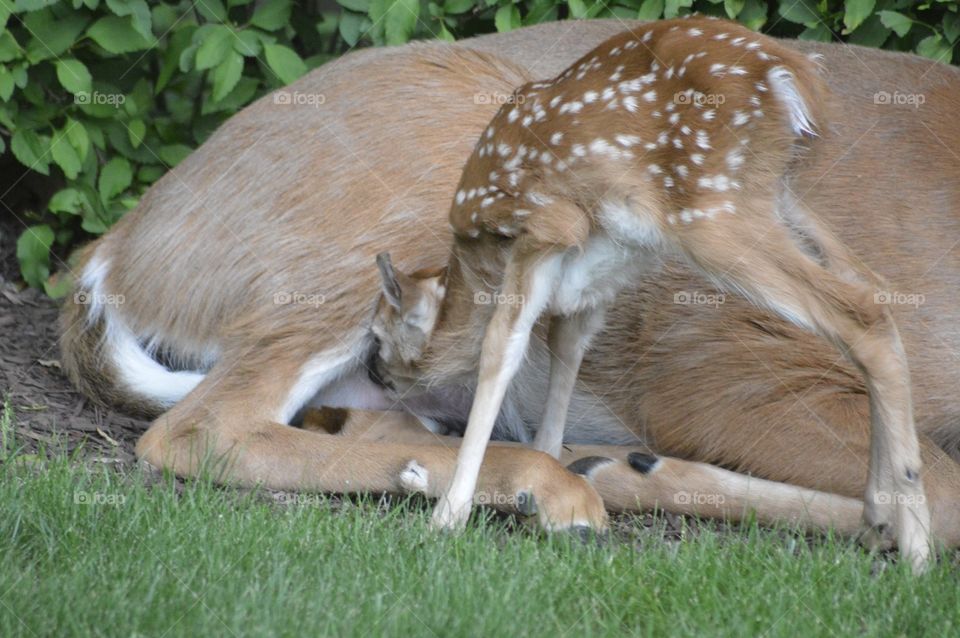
x,y
295,199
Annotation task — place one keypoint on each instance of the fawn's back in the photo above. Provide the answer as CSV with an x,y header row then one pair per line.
x,y
683,118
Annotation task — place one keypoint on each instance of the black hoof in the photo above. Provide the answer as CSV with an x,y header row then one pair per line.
x,y
589,464
642,462
587,535
526,503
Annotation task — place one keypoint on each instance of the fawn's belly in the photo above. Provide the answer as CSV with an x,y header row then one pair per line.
x,y
624,248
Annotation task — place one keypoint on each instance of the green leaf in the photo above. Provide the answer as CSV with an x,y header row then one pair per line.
x,y
9,49
4,13
67,200
401,20
578,9
650,10
74,76
271,15
235,100
173,154
51,35
897,21
78,137
819,33
754,14
671,8
800,11
137,131
936,48
247,43
453,7
445,34
6,84
351,27
226,75
31,150
212,10
115,176
117,35
284,62
507,17
216,44
33,253
149,174
139,12
31,5
951,26
733,7
58,286
239,97
855,12
871,33
178,42
65,156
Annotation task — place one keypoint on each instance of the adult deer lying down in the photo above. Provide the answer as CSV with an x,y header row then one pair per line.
x,y
290,203
580,183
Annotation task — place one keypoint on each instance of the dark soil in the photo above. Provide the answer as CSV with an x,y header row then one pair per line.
x,y
48,412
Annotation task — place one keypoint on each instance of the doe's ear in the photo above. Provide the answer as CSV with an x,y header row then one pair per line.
x,y
392,291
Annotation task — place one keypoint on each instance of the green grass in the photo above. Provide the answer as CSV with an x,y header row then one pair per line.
x,y
99,552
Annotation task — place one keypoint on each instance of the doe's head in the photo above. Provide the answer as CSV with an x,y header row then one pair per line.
x,y
405,317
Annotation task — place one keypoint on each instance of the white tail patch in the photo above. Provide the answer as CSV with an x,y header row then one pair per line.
x,y
784,86
134,366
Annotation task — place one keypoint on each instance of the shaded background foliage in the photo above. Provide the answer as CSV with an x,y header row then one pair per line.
x,y
98,98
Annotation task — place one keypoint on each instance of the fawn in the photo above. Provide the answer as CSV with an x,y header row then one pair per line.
x,y
672,138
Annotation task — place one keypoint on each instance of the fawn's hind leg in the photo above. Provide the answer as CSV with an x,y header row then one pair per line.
x,y
568,338
758,256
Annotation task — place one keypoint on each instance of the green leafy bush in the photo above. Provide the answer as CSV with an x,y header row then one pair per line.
x,y
98,98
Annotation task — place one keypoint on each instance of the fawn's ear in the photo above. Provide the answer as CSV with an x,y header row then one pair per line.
x,y
389,282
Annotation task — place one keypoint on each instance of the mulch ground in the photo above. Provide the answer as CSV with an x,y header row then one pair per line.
x,y
49,412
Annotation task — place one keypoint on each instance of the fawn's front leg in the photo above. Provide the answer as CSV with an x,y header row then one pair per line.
x,y
567,340
527,285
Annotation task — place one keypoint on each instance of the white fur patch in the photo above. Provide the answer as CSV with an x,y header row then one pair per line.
x,y
784,86
320,371
136,369
415,478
